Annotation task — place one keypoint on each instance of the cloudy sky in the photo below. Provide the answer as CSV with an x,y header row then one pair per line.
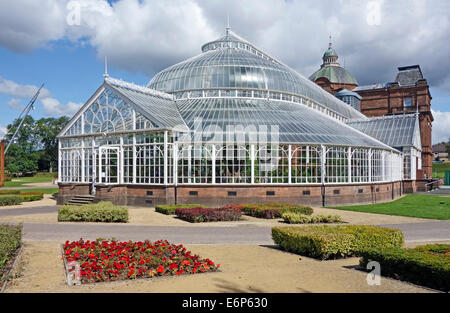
x,y
63,43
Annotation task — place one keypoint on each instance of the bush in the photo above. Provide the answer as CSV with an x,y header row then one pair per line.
x,y
9,192
199,215
274,210
296,218
31,196
10,200
170,209
326,242
10,240
100,212
422,265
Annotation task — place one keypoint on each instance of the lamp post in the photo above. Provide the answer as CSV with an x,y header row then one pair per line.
x,y
2,164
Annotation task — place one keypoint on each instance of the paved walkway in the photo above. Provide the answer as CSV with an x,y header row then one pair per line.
x,y
29,210
252,235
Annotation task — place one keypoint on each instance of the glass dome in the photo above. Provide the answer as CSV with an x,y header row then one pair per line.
x,y
233,63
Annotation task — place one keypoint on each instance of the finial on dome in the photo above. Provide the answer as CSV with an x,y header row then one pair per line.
x,y
228,23
329,44
106,68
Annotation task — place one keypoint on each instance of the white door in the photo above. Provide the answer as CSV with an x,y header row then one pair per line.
x,y
109,165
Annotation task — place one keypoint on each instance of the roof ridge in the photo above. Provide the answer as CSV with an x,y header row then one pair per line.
x,y
138,88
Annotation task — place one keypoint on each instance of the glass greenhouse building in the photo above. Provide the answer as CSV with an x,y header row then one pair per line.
x,y
230,124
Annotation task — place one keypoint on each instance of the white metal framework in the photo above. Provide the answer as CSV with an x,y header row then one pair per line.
x,y
232,115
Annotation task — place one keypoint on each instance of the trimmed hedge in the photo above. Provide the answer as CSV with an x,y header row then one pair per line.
x,y
10,240
10,200
274,210
296,218
99,212
31,196
170,209
420,265
199,215
14,197
9,192
327,242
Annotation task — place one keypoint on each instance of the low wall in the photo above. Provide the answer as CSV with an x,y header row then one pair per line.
x,y
216,195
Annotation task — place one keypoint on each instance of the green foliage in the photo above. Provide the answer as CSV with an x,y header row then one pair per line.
x,y
424,265
10,240
31,196
35,147
99,212
414,205
10,200
296,218
274,210
9,192
327,242
170,209
438,169
13,197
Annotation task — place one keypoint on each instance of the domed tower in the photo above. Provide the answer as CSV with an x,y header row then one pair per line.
x,y
332,76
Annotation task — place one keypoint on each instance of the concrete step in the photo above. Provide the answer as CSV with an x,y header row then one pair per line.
x,y
80,200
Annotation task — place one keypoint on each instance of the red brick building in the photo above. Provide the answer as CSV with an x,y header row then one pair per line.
x,y
408,93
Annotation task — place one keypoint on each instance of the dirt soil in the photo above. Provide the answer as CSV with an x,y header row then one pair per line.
x,y
244,269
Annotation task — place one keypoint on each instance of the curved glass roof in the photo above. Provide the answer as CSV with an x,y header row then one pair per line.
x,y
296,124
232,62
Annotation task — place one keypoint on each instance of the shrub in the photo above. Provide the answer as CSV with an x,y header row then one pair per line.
x,y
100,212
199,215
9,192
274,210
296,218
421,265
10,200
170,209
326,242
31,196
10,240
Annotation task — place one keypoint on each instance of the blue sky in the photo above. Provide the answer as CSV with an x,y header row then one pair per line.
x,y
140,38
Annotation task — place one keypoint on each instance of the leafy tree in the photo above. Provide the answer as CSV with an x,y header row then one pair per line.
x,y
48,129
35,146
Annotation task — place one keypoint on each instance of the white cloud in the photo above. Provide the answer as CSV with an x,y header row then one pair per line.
x,y
147,35
52,106
16,104
441,126
2,131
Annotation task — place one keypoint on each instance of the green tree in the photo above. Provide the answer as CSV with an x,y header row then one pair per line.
x,y
48,129
35,146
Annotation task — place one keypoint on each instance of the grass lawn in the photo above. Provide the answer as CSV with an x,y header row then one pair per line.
x,y
47,191
439,169
423,206
27,180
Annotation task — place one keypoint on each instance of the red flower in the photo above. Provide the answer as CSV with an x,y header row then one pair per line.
x,y
160,269
173,266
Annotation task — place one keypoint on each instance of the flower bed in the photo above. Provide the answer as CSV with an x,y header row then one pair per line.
x,y
99,212
296,218
327,242
199,215
170,209
274,210
110,260
427,265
